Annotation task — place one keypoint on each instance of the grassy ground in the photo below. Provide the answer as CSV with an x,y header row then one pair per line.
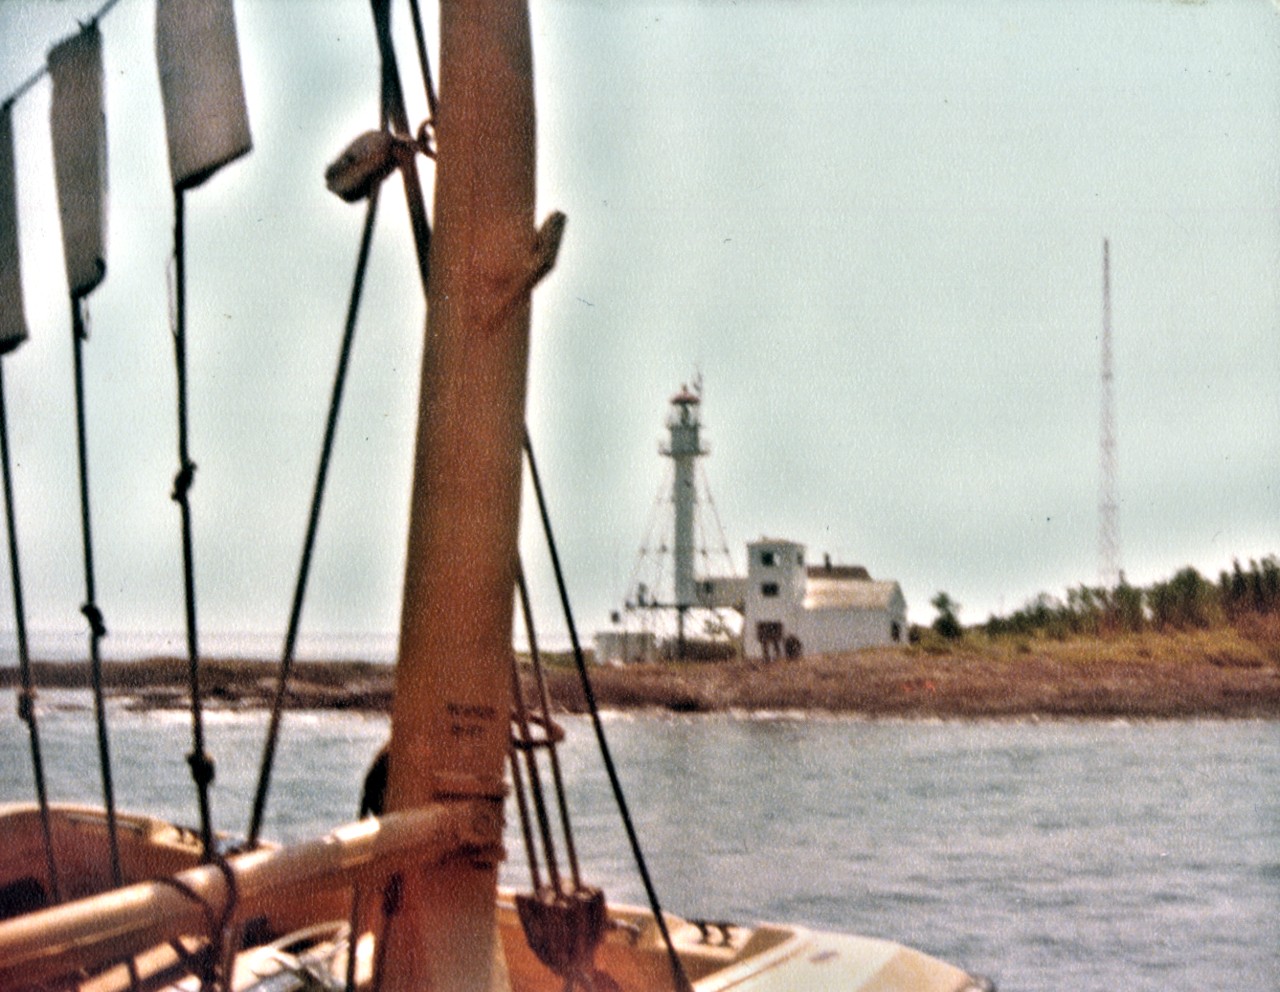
x,y
1219,673
1225,672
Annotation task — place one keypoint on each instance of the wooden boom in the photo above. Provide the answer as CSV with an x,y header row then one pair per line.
x,y
55,943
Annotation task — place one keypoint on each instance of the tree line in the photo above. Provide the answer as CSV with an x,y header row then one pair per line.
x,y
1187,601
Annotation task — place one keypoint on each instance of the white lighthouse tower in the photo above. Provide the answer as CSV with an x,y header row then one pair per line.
x,y
684,449
675,576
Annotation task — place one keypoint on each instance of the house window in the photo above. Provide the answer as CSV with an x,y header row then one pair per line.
x,y
768,559
769,589
799,557
897,631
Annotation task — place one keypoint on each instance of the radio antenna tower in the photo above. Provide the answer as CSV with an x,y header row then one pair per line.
x,y
1108,523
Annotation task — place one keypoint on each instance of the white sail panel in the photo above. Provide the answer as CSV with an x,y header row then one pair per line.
x,y
205,116
13,319
80,156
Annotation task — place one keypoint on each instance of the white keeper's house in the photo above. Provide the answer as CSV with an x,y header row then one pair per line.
x,y
792,608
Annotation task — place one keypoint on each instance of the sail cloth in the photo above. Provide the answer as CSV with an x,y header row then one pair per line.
x,y
80,156
204,108
13,320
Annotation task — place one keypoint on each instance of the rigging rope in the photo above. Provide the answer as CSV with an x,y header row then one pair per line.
x,y
27,694
393,109
522,804
424,66
524,745
715,513
97,628
313,522
393,113
553,754
635,588
202,768
563,923
529,745
677,968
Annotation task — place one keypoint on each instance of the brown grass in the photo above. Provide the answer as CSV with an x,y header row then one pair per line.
x,y
1225,672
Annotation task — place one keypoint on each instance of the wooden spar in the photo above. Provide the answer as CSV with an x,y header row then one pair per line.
x,y
48,945
450,717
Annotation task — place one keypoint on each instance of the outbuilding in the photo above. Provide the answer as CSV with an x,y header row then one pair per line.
x,y
793,608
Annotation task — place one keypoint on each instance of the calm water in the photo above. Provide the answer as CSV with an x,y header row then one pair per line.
x,y
1056,856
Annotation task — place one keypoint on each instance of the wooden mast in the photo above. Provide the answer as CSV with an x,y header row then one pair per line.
x,y
450,717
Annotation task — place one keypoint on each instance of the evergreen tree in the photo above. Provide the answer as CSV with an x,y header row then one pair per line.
x,y
947,623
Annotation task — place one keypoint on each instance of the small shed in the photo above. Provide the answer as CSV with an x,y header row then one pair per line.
x,y
622,647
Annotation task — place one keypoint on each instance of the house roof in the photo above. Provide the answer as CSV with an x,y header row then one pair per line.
x,y
778,541
825,593
838,572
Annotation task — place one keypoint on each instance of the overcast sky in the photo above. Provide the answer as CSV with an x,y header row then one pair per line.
x,y
874,229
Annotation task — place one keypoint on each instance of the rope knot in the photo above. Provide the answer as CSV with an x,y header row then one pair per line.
x,y
26,706
94,616
202,768
182,482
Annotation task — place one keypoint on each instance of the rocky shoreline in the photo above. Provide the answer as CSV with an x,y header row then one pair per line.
x,y
1172,677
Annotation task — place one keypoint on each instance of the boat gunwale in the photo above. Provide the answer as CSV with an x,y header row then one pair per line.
x,y
111,926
